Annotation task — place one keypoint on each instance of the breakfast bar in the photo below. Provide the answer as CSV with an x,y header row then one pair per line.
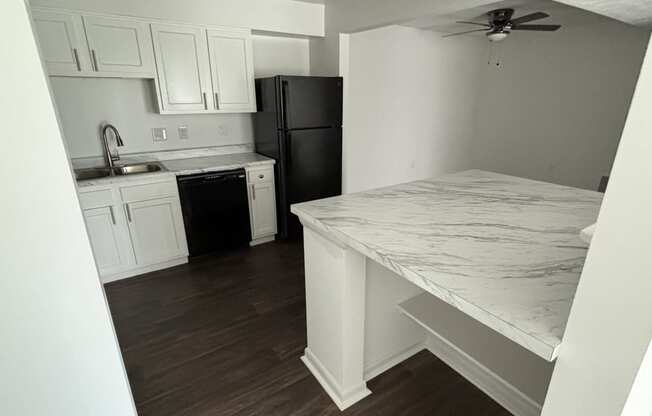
x,y
502,250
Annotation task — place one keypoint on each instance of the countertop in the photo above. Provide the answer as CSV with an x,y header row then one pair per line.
x,y
504,250
186,166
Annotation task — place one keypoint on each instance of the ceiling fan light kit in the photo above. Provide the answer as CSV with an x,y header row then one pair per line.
x,y
501,24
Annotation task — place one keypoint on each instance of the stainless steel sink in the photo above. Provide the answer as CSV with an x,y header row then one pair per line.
x,y
96,173
136,169
93,173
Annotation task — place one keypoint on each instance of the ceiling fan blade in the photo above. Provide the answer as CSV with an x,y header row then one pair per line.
x,y
530,17
464,33
474,23
541,28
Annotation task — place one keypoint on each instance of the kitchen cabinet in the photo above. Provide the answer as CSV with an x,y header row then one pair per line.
x,y
232,72
203,71
62,42
119,46
183,72
196,69
134,227
262,204
104,235
156,229
74,44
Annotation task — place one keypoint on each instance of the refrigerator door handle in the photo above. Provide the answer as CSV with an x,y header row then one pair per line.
x,y
284,86
288,151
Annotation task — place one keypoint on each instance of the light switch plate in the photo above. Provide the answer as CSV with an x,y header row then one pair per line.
x,y
183,133
159,134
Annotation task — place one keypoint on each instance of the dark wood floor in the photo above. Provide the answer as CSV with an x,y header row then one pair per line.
x,y
223,336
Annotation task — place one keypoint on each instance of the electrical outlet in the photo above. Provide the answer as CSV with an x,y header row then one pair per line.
x,y
159,134
183,133
223,130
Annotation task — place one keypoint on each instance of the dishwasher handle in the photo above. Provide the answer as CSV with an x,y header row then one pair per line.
x,y
213,177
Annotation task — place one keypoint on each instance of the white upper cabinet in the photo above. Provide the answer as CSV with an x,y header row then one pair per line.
x,y
196,69
119,46
62,42
232,71
183,72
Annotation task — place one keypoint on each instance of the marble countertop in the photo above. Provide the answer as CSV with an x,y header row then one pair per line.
x,y
504,250
185,166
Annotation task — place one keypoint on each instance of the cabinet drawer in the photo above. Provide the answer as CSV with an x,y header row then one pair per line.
x,y
260,175
148,191
96,199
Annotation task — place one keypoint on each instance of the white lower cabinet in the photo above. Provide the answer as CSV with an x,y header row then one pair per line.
x,y
262,203
106,241
156,230
134,228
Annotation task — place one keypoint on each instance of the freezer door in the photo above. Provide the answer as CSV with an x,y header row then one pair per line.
x,y
311,102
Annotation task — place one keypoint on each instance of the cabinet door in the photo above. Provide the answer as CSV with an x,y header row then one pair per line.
x,y
119,46
156,229
232,71
263,209
62,42
107,244
182,68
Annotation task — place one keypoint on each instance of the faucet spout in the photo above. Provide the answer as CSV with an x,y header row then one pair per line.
x,y
110,156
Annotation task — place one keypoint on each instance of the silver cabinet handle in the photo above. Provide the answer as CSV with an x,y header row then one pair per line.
x,y
253,192
217,100
112,215
205,100
94,55
76,55
128,212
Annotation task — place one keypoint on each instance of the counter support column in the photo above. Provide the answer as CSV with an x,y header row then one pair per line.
x,y
335,315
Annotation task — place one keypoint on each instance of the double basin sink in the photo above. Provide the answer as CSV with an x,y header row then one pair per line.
x,y
96,173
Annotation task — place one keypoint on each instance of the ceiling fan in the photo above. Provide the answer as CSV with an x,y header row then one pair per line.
x,y
501,24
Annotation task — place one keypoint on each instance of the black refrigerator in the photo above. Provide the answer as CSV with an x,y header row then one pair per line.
x,y
299,124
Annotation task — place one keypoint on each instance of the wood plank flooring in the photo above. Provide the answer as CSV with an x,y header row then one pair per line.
x,y
223,336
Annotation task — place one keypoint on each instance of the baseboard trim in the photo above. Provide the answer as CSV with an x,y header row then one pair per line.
x,y
145,269
483,378
381,367
341,399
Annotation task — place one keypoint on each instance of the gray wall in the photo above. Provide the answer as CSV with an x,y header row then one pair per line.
x,y
555,108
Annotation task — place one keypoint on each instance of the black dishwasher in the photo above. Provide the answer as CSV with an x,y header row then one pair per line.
x,y
215,211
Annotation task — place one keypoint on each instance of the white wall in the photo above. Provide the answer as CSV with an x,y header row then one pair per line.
x,y
350,16
58,354
283,16
276,55
555,108
409,107
610,324
130,104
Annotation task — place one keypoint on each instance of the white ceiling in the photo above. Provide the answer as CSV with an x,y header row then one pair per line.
x,y
636,12
559,14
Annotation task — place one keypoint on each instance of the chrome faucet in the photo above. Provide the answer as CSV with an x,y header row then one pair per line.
x,y
110,157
